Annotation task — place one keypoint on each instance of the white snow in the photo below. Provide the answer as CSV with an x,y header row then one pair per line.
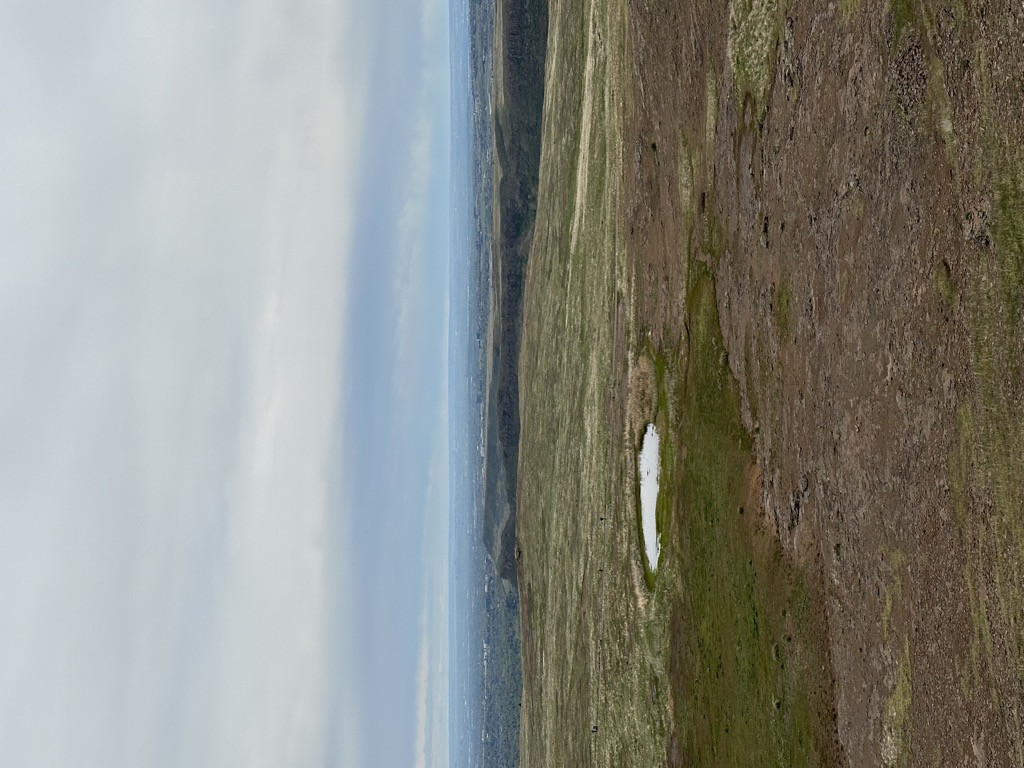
x,y
649,469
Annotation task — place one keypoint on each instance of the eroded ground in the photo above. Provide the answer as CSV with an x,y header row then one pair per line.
x,y
792,235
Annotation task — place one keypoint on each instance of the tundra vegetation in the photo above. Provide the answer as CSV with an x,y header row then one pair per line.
x,y
791,236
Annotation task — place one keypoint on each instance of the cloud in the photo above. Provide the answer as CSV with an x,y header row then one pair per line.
x,y
401,260
397,334
422,700
175,218
427,174
431,730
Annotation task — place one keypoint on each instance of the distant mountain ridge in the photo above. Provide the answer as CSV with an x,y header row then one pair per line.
x,y
517,96
499,52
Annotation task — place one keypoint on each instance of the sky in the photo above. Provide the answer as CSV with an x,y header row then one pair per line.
x,y
223,427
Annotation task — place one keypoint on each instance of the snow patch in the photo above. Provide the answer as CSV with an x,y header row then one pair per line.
x,y
650,466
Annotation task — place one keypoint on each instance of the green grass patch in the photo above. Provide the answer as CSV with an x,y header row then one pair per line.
x,y
896,745
947,290
849,10
783,307
1008,233
904,14
751,666
753,38
987,469
713,241
688,160
710,116
997,341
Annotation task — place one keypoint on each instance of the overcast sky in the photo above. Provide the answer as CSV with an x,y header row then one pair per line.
x,y
223,438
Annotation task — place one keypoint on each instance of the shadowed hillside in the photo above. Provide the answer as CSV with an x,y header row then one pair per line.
x,y
518,98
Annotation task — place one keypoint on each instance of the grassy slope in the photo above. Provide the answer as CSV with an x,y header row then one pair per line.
x,y
722,652
584,657
749,671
